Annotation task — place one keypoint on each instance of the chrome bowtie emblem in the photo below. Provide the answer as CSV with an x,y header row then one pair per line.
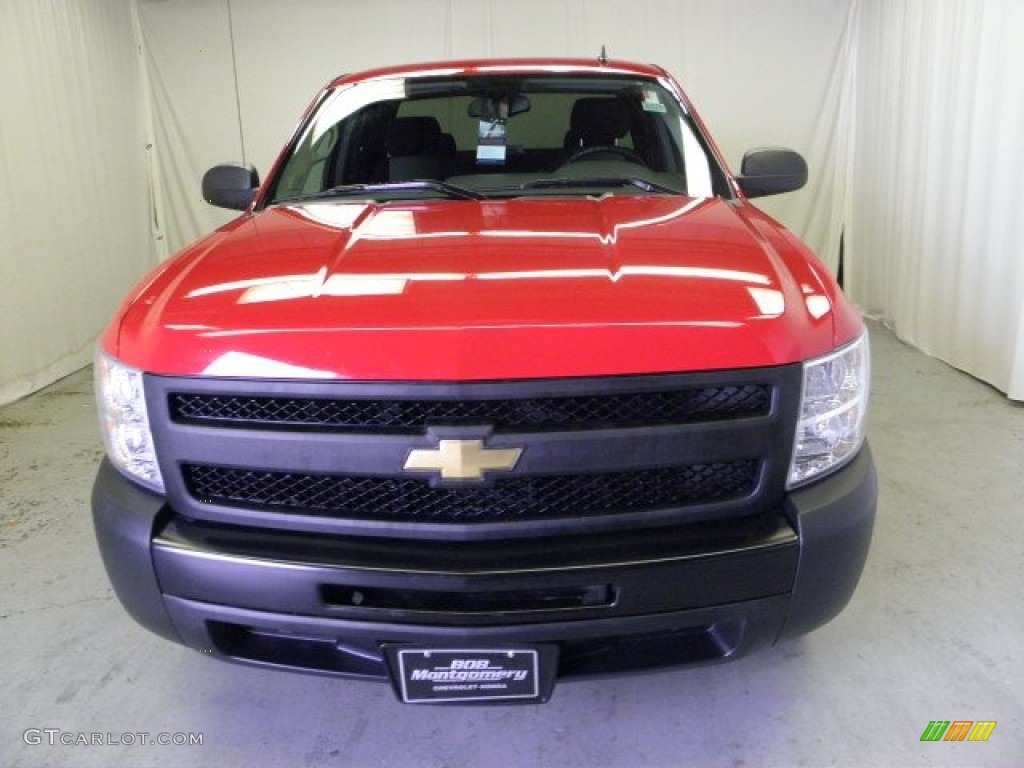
x,y
462,459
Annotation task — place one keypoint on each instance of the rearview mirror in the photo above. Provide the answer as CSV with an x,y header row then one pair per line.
x,y
771,171
491,109
230,186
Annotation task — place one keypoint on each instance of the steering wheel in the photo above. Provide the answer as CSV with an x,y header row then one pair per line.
x,y
625,153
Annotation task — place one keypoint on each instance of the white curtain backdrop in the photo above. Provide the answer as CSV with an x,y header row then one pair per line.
x,y
908,111
935,245
74,217
760,73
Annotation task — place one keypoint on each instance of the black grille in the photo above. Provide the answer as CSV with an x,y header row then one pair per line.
x,y
532,414
537,497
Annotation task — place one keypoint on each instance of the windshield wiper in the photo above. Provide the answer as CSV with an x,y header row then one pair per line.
x,y
388,188
602,181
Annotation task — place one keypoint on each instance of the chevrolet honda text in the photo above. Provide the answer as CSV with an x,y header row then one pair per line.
x,y
499,379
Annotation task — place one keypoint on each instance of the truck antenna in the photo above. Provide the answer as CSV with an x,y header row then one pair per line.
x,y
603,58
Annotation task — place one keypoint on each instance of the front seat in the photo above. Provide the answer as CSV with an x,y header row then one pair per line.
x,y
596,122
417,149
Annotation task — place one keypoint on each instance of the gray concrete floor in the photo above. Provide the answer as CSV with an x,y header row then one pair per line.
x,y
934,632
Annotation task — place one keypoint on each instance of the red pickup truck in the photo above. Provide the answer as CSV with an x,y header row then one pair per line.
x,y
498,379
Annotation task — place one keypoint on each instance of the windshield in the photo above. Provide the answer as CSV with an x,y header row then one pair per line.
x,y
467,137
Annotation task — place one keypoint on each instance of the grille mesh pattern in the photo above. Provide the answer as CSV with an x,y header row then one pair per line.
x,y
517,498
681,406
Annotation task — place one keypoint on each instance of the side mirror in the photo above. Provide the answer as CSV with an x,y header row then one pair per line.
x,y
771,171
230,186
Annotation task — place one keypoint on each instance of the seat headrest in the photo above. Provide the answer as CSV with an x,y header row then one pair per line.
x,y
413,136
599,120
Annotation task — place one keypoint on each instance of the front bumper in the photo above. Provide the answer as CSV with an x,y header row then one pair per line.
x,y
617,603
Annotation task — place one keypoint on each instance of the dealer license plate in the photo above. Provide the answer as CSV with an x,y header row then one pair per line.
x,y
437,675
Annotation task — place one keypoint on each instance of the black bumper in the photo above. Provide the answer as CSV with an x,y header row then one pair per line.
x,y
615,603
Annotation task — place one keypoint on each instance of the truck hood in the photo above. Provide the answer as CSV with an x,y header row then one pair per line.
x,y
468,290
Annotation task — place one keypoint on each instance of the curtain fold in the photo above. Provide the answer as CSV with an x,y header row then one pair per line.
x,y
73,190
934,242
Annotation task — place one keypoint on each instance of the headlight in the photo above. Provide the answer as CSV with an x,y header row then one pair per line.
x,y
833,410
124,422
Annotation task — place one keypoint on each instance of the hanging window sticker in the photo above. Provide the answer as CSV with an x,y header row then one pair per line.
x,y
492,143
652,102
